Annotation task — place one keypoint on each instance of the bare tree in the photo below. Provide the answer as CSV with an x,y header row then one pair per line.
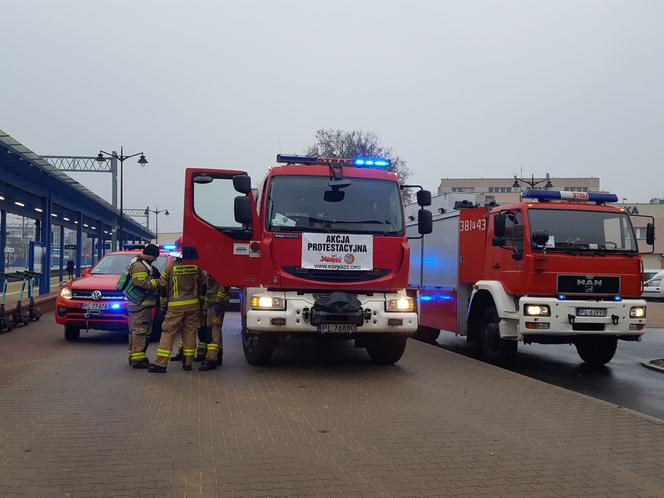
x,y
357,143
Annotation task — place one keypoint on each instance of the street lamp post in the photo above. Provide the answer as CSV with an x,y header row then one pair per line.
x,y
156,212
142,161
532,183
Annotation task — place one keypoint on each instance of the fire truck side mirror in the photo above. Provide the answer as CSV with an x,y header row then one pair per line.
x,y
242,183
650,234
242,209
424,198
424,221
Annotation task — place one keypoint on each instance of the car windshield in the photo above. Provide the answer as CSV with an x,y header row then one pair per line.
x,y
580,230
308,204
115,264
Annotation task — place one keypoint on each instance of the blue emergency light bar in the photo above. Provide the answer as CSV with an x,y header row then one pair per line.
x,y
372,162
168,247
556,195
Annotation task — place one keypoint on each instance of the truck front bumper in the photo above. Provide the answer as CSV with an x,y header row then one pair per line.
x,y
567,318
295,318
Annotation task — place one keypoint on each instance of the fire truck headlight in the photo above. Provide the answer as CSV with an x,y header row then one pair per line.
x,y
66,292
267,303
537,310
637,312
402,304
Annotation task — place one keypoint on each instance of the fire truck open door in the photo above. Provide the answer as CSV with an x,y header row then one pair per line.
x,y
212,237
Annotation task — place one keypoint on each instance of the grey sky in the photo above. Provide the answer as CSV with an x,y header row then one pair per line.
x,y
462,88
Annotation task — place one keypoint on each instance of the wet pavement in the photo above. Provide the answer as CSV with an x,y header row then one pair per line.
x,y
624,381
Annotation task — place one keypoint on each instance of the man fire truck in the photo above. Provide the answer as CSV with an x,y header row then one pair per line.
x,y
323,252
555,268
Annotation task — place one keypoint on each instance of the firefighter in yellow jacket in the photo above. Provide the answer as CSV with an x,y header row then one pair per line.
x,y
215,301
183,286
145,279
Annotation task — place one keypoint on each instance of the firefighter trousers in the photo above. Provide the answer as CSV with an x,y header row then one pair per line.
x,y
215,347
178,321
140,324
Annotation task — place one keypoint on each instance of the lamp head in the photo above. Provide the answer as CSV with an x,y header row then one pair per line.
x,y
142,161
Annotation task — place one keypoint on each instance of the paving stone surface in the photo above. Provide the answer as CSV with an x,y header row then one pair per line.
x,y
75,421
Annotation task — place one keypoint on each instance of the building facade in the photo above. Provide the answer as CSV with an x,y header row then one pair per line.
x,y
503,191
639,213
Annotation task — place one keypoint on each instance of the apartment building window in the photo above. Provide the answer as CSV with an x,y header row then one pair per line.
x,y
576,189
463,189
502,190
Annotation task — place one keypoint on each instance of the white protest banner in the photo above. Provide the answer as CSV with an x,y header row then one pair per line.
x,y
330,251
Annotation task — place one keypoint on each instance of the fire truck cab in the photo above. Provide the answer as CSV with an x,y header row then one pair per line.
x,y
321,252
555,268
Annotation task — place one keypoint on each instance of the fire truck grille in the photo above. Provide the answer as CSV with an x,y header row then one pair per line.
x,y
336,275
588,284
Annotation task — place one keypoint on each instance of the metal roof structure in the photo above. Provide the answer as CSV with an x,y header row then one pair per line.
x,y
32,187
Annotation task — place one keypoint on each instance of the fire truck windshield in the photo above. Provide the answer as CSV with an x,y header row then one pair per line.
x,y
574,230
309,204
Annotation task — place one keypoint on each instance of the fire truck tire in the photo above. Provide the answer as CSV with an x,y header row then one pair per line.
x,y
72,333
596,351
386,349
426,334
257,348
494,348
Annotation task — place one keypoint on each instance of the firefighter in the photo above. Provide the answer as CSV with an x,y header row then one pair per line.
x,y
183,289
143,281
215,302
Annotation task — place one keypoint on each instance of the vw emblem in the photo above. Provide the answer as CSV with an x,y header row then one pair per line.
x,y
96,295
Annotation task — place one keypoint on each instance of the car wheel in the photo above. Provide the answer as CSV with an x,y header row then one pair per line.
x,y
72,333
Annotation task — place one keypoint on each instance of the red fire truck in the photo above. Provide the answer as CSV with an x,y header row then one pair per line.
x,y
322,251
555,268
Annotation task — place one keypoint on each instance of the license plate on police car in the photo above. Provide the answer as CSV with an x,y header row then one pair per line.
x,y
94,306
599,312
337,328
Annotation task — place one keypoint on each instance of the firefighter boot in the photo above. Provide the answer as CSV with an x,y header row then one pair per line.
x,y
142,364
156,369
208,365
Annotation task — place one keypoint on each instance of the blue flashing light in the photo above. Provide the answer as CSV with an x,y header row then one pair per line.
x,y
557,195
115,306
437,297
168,247
561,297
376,163
617,298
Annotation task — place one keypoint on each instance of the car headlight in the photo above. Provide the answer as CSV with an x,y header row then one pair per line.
x,y
267,303
537,310
637,312
66,292
402,304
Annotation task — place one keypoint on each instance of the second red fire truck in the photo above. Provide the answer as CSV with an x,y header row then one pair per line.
x,y
555,268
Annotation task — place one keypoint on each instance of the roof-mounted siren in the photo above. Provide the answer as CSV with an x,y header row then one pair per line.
x,y
556,195
360,162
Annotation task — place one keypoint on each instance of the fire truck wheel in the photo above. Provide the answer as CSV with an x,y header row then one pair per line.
x,y
596,351
426,334
257,348
72,333
494,348
386,349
